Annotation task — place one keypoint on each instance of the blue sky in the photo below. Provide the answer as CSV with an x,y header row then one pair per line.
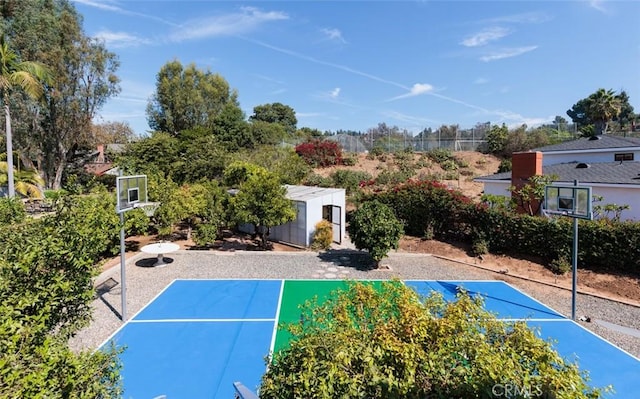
x,y
353,64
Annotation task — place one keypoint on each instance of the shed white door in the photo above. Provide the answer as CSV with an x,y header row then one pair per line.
x,y
333,214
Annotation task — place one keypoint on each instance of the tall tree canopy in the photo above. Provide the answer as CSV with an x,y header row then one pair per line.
x,y
50,32
599,109
278,113
187,98
25,75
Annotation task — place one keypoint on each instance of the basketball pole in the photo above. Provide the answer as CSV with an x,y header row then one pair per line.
x,y
574,261
123,285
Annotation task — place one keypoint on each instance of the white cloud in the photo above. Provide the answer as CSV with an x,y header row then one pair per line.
x,y
598,5
104,5
481,81
333,34
121,39
308,114
524,18
485,36
334,93
414,120
245,21
416,90
507,53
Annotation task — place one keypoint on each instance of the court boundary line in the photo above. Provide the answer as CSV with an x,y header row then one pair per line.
x,y
534,299
274,332
110,337
601,338
200,321
484,296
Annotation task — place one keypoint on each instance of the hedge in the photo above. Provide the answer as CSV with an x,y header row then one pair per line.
x,y
431,209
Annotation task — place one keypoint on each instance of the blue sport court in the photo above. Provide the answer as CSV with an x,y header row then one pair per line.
x,y
198,337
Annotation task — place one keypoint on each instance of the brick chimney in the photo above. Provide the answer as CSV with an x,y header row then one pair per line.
x,y
101,158
523,166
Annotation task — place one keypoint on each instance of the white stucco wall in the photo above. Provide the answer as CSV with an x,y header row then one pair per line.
x,y
612,194
608,155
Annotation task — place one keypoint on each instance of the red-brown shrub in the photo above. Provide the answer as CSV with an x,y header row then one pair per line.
x,y
320,153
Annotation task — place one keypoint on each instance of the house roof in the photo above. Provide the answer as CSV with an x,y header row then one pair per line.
x,y
585,144
627,173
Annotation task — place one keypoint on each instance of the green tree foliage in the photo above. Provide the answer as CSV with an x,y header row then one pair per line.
x,y
27,76
238,172
231,128
530,196
186,98
599,109
283,161
278,113
374,227
28,183
47,268
267,132
111,133
84,78
262,202
497,139
11,211
390,343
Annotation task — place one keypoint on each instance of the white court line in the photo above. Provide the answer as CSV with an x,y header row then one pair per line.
x,y
535,300
525,320
110,337
275,324
199,320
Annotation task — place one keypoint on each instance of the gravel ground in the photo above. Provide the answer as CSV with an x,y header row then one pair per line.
x,y
144,283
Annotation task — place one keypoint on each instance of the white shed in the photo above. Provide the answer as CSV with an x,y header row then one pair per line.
x,y
312,204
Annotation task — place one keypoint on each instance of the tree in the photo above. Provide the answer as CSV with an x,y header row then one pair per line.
x,y
187,98
25,75
231,128
376,228
262,202
28,182
278,113
111,133
388,342
51,32
529,197
598,109
497,139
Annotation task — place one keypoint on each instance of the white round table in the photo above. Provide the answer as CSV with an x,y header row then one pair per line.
x,y
160,249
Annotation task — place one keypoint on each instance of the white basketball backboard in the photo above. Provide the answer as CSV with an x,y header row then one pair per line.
x,y
574,201
130,190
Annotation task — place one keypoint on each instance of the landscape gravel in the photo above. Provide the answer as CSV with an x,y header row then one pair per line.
x,y
144,282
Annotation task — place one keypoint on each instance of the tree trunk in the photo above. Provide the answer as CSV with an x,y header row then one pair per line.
x,y
57,180
10,182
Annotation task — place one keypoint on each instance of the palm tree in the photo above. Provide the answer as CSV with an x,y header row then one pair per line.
x,y
604,106
27,182
26,75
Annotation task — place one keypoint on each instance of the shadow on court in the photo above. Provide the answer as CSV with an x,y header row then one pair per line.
x,y
348,258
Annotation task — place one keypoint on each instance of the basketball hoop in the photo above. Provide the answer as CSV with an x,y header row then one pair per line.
x,y
149,208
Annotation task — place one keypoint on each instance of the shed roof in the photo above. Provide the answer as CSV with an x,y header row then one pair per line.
x,y
303,193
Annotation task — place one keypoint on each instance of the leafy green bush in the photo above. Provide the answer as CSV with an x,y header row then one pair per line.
x,y
449,165
387,177
505,166
390,343
374,227
350,160
440,155
322,236
11,211
315,179
349,179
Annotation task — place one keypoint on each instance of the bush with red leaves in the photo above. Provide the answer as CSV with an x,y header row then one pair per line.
x,y
320,153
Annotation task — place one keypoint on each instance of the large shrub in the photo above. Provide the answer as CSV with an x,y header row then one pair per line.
x,y
374,227
390,343
11,211
320,153
46,289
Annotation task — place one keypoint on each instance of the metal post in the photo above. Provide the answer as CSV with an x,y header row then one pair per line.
x,y
123,285
574,257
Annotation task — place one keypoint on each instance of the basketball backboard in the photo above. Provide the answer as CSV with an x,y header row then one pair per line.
x,y
574,201
130,190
